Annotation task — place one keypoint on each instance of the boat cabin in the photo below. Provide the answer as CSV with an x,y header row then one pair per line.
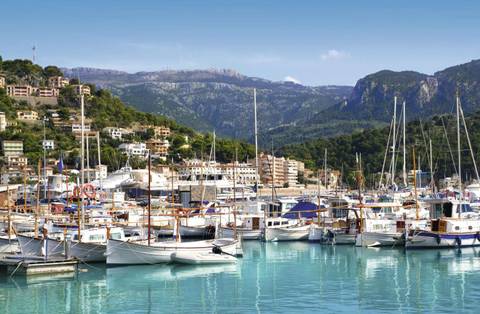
x,y
446,208
456,225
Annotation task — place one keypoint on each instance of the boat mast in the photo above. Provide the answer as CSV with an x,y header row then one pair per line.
x,y
82,158
458,147
325,170
256,144
404,149
235,194
45,181
37,207
394,139
99,160
149,195
88,158
469,143
415,184
432,181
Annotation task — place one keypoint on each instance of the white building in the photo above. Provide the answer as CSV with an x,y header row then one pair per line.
x,y
2,82
243,172
134,149
28,115
48,144
77,128
3,121
116,133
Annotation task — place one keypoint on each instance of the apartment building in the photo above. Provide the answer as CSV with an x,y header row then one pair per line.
x,y
77,128
28,115
57,82
243,172
19,90
81,89
12,148
2,82
158,148
17,161
47,92
3,122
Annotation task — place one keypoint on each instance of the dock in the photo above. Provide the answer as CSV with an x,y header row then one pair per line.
x,y
19,265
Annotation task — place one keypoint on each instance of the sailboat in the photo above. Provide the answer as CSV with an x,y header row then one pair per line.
x,y
449,227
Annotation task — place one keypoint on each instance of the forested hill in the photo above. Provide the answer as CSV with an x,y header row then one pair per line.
x,y
220,100
103,109
372,143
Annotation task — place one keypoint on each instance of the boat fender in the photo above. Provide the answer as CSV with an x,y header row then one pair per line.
x,y
477,236
458,241
439,239
217,250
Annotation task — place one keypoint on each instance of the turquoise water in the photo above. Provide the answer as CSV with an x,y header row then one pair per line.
x,y
294,277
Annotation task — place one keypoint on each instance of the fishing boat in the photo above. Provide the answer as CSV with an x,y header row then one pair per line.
x,y
134,253
249,229
8,244
283,229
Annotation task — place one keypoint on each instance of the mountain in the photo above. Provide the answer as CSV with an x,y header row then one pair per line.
x,y
220,100
370,103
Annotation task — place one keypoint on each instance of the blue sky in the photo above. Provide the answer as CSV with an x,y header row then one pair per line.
x,y
314,42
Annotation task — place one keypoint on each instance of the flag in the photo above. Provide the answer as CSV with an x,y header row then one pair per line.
x,y
60,164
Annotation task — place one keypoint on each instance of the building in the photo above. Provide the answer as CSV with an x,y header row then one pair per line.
x,y
12,148
158,148
57,82
243,173
134,149
272,170
3,122
77,128
2,82
17,161
19,90
47,92
290,172
48,144
116,133
160,131
28,115
81,89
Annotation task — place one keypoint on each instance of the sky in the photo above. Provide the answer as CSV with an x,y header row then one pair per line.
x,y
310,42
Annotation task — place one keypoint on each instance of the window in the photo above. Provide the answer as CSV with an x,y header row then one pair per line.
x,y
116,236
470,228
276,223
457,228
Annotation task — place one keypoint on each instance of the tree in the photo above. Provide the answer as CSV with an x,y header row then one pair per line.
x,y
51,71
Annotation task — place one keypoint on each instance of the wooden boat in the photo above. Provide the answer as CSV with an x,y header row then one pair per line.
x,y
134,253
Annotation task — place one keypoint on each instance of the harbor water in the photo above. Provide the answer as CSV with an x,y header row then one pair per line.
x,y
294,277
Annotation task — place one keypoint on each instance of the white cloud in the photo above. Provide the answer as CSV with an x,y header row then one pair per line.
x,y
334,54
289,78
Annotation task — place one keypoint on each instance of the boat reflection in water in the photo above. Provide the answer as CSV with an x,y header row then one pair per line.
x,y
272,277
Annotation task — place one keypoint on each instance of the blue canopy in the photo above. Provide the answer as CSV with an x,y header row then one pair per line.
x,y
304,209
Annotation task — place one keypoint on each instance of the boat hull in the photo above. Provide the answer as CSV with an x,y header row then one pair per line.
x,y
376,239
8,246
287,234
426,239
244,233
129,253
193,231
315,233
88,252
